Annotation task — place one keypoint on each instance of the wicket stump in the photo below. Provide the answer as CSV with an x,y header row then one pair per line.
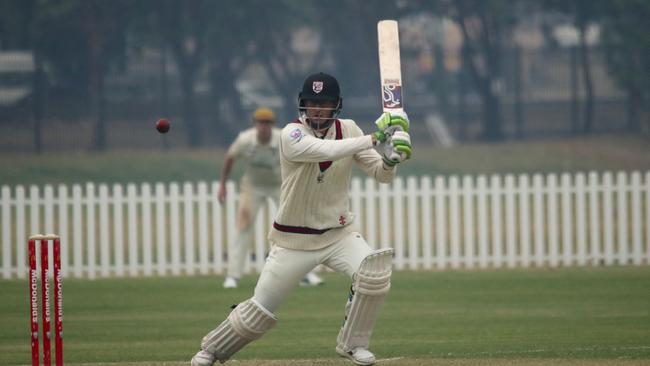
x,y
45,298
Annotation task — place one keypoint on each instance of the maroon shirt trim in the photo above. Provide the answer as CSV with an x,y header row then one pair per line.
x,y
323,165
298,229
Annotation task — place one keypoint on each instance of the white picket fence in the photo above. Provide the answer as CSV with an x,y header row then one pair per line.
x,y
450,222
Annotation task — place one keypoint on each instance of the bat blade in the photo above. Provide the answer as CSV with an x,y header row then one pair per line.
x,y
389,65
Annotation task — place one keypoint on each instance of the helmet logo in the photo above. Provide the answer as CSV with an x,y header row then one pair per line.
x,y
317,86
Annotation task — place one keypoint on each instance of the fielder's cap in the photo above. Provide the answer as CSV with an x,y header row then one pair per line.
x,y
263,114
320,86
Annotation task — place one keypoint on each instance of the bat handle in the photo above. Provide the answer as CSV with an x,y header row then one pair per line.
x,y
394,156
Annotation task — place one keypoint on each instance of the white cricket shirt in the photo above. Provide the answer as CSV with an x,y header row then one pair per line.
x,y
314,209
261,161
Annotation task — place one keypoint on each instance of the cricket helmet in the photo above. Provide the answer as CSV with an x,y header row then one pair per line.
x,y
320,87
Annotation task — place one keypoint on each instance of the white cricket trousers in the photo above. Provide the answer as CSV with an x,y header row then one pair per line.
x,y
251,199
285,267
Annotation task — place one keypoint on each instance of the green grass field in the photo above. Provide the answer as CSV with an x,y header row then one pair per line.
x,y
600,153
588,316
580,316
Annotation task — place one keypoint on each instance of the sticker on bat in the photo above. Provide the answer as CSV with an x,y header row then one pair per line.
x,y
392,95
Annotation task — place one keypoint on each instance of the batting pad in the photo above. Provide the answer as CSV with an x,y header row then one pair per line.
x,y
246,323
371,284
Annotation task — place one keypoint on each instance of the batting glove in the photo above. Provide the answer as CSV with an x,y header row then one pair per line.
x,y
397,119
396,148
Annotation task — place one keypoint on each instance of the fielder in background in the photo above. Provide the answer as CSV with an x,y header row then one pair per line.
x,y
257,147
313,225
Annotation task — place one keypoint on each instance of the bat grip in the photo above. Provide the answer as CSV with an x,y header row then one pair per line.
x,y
394,156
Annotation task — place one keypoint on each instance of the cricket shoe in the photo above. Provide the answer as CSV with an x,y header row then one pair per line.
x,y
204,358
230,282
311,279
360,356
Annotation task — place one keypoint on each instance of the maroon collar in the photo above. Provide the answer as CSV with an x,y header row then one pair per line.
x,y
323,165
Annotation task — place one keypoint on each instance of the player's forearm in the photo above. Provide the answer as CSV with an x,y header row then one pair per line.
x,y
373,165
312,150
384,173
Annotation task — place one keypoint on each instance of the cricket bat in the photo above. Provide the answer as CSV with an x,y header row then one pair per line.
x,y
389,65
390,71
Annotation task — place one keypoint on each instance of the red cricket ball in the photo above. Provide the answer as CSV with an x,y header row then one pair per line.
x,y
162,125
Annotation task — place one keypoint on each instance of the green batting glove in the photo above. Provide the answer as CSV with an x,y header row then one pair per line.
x,y
379,136
392,121
396,149
402,144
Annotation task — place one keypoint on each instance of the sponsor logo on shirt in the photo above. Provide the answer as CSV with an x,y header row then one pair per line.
x,y
296,135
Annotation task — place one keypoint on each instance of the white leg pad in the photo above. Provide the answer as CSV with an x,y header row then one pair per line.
x,y
370,286
246,323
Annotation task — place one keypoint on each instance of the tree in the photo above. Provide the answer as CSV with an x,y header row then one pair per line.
x,y
15,24
353,44
183,25
331,43
81,39
485,26
103,24
229,38
19,29
272,45
626,42
582,13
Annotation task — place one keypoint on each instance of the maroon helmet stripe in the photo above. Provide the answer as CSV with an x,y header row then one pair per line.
x,y
297,229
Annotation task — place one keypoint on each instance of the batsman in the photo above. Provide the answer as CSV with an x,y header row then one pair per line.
x,y
314,225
